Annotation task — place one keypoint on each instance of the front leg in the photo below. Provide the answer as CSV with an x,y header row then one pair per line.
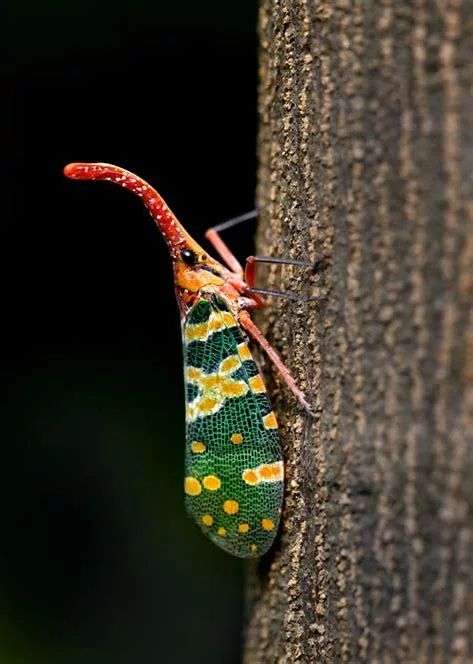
x,y
213,236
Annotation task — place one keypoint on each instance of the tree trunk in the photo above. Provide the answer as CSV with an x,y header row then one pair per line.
x,y
366,151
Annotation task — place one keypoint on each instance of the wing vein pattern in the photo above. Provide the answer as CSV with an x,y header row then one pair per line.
x,y
233,464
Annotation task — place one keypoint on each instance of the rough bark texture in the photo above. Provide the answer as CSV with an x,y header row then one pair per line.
x,y
366,149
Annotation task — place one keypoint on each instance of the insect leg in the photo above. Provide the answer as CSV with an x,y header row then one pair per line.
x,y
279,261
234,221
257,335
250,267
225,253
250,274
276,293
213,236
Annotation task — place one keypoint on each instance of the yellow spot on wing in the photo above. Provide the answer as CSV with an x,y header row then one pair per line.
x,y
256,384
222,532
229,364
209,382
267,524
196,332
192,486
253,548
244,352
213,388
267,472
218,320
207,404
234,388
193,374
207,519
215,323
269,421
236,438
250,477
243,528
231,506
229,319
197,447
212,483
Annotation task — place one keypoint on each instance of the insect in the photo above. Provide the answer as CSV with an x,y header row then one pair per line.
x,y
234,473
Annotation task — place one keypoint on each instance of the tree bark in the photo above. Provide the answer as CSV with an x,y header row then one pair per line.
x,y
366,162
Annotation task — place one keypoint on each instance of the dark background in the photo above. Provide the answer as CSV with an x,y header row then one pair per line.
x,y
98,561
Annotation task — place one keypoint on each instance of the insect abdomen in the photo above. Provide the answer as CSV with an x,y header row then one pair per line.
x,y
234,469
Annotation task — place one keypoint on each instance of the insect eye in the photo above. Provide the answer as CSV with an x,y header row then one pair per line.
x,y
189,257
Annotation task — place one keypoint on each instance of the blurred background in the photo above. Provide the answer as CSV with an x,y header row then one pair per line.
x,y
99,562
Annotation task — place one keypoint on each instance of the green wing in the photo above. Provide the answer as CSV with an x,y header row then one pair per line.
x,y
234,470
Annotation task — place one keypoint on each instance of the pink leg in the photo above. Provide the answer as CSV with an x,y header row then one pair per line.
x,y
254,332
219,245
250,271
251,262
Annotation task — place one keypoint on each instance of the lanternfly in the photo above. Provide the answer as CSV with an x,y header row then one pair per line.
x,y
234,470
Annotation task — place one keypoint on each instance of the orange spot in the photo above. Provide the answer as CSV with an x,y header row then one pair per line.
x,y
197,447
276,471
212,483
222,532
256,384
244,352
231,506
267,524
271,472
269,421
236,438
207,519
243,527
250,477
266,472
192,486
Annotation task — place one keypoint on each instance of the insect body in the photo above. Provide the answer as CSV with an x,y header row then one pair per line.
x,y
233,463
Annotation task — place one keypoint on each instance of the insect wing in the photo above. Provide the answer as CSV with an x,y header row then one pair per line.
x,y
234,469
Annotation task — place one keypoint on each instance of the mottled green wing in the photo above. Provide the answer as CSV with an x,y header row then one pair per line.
x,y
234,470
